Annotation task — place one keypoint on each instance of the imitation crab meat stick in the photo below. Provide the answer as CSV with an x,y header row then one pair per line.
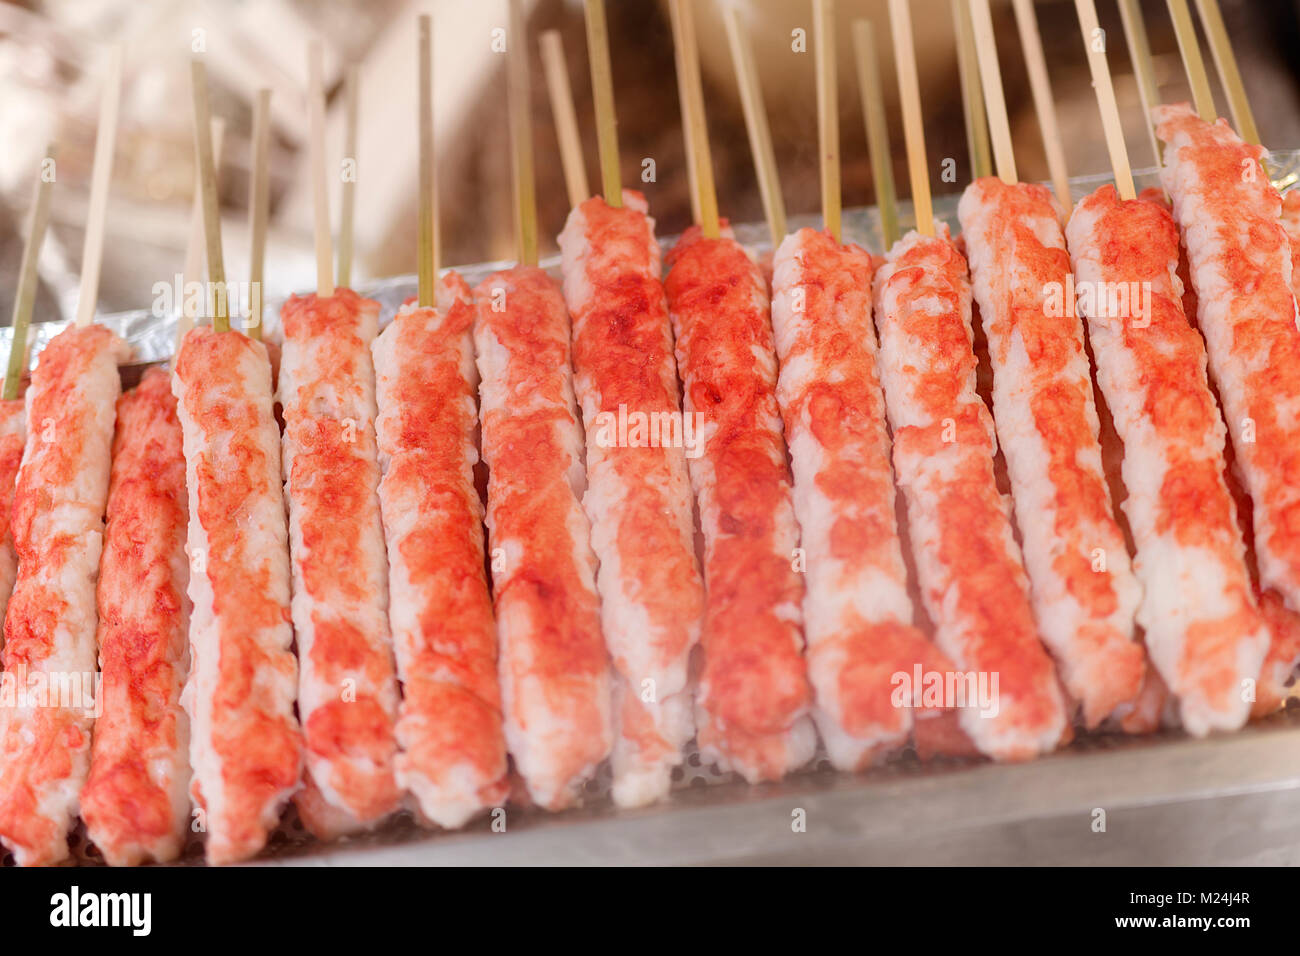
x,y
136,800
347,684
57,527
1084,592
452,754
245,744
555,681
857,609
1240,263
1203,629
972,578
638,495
754,700
556,686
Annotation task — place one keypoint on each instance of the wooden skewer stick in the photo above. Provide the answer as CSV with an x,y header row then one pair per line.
x,y
347,204
994,99
519,97
220,301
1031,42
602,94
1144,69
909,93
688,74
195,258
92,254
972,95
1229,74
28,278
760,134
427,245
828,113
259,200
320,179
684,107
566,117
873,115
1110,120
1190,49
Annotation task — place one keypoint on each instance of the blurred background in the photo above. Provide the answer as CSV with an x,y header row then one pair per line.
x,y
53,54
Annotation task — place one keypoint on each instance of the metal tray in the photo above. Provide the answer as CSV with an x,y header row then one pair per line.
x,y
1164,799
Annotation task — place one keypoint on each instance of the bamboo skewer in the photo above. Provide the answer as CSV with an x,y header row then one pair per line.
x,y
1101,83
1139,52
828,116
195,258
972,94
427,244
220,301
1190,49
1031,42
685,107
521,139
688,76
259,203
92,254
909,91
348,199
565,116
873,116
320,182
28,279
1229,73
602,93
994,99
760,134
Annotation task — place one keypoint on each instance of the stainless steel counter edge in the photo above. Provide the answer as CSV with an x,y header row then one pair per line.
x,y
1228,799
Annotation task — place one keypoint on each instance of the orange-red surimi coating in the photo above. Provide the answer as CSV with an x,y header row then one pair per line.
x,y
12,436
453,751
1203,628
347,689
972,578
136,799
639,494
245,744
754,696
555,680
1084,592
857,612
1241,267
49,650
